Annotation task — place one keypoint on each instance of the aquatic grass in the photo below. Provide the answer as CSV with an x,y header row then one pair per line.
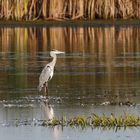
x,y
126,120
78,121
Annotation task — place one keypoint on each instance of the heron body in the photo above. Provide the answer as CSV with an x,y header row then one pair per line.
x,y
48,71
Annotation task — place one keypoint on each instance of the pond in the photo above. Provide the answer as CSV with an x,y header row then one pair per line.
x,y
99,73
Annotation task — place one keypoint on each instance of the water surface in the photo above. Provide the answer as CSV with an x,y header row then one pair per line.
x,y
100,73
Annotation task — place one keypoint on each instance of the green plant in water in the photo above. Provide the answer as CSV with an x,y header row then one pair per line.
x,y
95,120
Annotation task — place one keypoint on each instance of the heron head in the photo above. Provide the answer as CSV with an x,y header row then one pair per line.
x,y
56,52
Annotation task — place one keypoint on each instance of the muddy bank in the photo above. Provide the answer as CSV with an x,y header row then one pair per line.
x,y
77,23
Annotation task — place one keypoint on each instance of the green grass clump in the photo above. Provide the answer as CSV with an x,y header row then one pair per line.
x,y
126,120
78,121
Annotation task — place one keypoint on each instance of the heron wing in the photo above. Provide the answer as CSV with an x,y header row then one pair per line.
x,y
45,76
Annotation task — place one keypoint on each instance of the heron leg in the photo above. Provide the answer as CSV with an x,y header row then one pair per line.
x,y
46,90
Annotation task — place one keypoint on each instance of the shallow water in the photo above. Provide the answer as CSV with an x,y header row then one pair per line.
x,y
100,73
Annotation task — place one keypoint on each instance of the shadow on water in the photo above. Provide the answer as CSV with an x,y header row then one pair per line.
x,y
99,72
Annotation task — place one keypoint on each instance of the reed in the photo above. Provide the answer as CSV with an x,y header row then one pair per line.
x,y
68,9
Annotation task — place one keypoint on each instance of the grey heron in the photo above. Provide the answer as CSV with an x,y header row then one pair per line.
x,y
47,72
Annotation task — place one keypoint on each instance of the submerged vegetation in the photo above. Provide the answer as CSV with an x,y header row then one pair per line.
x,y
68,9
95,120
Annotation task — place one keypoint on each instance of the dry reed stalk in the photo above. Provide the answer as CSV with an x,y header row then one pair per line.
x,y
105,9
80,9
98,8
125,9
68,9
56,9
90,9
92,13
136,7
74,9
109,8
44,8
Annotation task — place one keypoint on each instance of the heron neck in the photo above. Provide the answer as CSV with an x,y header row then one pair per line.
x,y
54,59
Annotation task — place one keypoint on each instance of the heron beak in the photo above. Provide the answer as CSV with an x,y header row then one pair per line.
x,y
62,52
59,52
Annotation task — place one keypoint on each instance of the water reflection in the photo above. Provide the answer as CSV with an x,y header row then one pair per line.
x,y
104,42
47,109
101,64
48,114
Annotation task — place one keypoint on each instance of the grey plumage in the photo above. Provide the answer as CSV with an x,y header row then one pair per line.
x,y
47,72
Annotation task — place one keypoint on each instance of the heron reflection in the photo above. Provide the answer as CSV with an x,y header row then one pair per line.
x,y
48,114
47,73
47,109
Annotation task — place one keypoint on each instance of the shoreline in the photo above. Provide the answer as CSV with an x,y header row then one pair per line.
x,y
70,23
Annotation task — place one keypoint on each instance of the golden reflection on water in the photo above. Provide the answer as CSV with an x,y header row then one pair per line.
x,y
114,52
108,41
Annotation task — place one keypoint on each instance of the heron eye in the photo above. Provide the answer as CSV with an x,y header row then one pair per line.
x,y
54,50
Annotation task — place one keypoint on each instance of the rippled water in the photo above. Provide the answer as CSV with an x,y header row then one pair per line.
x,y
100,73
